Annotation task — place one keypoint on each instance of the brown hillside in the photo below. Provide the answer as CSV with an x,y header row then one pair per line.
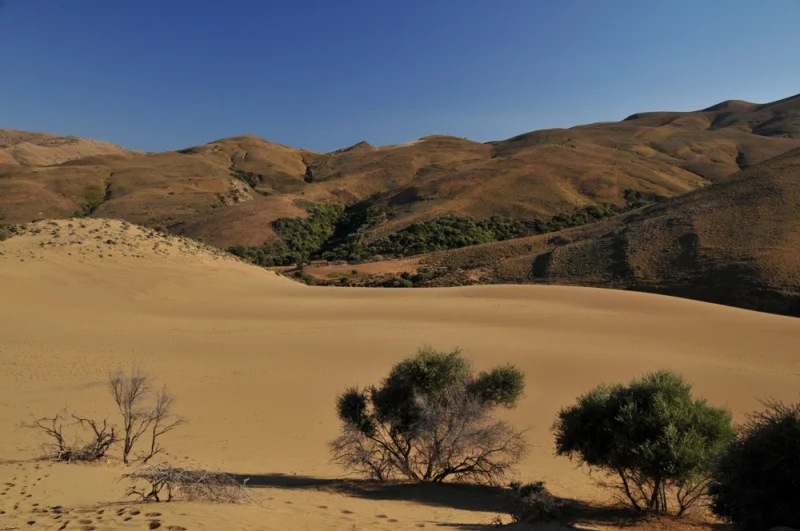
x,y
21,148
733,243
229,191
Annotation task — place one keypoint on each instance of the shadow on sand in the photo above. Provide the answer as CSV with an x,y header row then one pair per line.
x,y
480,498
452,495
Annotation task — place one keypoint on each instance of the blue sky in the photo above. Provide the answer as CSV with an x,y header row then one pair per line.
x,y
324,74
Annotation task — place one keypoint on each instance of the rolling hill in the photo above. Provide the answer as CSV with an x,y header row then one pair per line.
x,y
733,243
231,190
724,230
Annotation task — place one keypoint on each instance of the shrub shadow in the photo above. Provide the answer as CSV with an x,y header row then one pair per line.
x,y
453,495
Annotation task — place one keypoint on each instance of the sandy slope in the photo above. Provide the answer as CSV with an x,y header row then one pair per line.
x,y
256,362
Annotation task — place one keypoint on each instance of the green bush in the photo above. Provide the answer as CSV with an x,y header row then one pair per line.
x,y
447,232
266,255
430,420
659,441
504,228
532,503
582,216
757,481
306,236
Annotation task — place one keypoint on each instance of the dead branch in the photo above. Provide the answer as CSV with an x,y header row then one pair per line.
x,y
164,481
161,421
92,448
129,392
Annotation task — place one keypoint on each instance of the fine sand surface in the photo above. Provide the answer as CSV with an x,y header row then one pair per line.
x,y
256,361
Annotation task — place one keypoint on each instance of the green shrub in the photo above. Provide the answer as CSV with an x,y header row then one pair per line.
x,y
582,216
447,232
532,503
266,255
757,481
504,228
306,236
659,441
429,420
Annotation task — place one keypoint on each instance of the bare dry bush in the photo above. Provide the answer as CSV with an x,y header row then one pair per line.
x,y
78,447
165,481
132,390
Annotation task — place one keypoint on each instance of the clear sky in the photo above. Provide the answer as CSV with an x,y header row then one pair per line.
x,y
324,74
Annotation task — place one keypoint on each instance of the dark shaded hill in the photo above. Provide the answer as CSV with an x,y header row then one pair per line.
x,y
734,243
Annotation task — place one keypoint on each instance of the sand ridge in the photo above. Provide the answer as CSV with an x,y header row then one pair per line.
x,y
256,361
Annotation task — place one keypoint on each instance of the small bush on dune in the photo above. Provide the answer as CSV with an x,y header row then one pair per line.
x,y
532,503
757,481
145,413
85,440
657,439
431,420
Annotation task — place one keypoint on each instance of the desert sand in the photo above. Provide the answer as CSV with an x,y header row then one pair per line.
x,y
256,361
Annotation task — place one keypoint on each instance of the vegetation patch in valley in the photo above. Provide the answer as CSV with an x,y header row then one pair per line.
x,y
332,232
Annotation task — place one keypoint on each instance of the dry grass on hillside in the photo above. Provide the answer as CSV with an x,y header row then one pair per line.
x,y
539,173
734,243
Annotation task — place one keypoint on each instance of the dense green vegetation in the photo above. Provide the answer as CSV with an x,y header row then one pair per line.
x,y
307,236
660,441
266,255
582,216
331,232
756,484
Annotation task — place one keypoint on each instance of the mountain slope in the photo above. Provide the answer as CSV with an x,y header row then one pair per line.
x,y
21,148
735,243
232,190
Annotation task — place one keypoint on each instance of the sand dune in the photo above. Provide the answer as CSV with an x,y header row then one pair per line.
x,y
256,361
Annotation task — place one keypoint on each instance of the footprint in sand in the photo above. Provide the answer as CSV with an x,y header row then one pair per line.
x,y
153,524
347,511
175,528
322,506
